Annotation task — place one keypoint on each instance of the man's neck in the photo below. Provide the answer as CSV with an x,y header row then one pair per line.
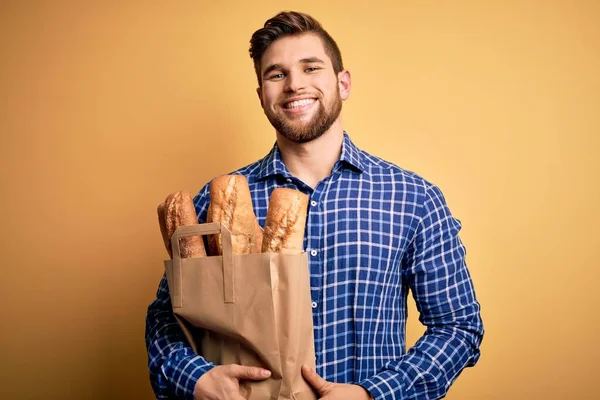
x,y
313,161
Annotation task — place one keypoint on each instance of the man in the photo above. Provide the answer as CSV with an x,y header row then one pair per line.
x,y
373,231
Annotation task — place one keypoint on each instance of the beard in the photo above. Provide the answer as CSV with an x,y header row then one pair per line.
x,y
302,132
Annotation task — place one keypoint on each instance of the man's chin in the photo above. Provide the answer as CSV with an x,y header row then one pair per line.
x,y
299,137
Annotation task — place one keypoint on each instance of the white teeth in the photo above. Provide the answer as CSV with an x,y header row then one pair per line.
x,y
299,103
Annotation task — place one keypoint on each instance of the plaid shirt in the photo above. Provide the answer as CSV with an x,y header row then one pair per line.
x,y
373,231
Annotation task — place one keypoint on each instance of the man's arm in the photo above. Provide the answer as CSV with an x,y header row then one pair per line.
x,y
443,291
173,366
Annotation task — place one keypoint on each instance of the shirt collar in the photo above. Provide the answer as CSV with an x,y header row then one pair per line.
x,y
351,155
273,165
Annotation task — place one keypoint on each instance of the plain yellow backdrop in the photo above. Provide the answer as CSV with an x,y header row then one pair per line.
x,y
108,106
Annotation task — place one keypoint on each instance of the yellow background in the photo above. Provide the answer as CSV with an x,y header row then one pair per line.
x,y
108,106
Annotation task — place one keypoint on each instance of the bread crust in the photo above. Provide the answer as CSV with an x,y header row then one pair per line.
x,y
160,210
177,210
286,221
231,205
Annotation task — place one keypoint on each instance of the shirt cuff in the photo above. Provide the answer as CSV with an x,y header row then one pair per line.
x,y
191,370
383,385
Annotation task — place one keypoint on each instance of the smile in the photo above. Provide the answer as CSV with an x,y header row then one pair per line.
x,y
298,104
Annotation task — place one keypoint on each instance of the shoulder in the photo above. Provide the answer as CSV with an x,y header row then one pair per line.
x,y
425,195
433,215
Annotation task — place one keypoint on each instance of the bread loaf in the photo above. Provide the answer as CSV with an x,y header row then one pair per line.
x,y
177,210
213,246
163,228
285,223
231,205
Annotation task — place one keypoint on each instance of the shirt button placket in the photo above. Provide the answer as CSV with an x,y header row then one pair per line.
x,y
316,238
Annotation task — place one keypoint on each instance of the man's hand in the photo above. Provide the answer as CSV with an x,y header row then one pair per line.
x,y
333,391
222,382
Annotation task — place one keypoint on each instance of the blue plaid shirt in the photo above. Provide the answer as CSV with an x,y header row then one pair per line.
x,y
373,231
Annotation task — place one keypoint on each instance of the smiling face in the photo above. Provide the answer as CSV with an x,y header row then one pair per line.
x,y
301,94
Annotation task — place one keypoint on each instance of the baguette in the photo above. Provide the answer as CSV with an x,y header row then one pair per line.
x,y
231,205
163,228
177,210
285,223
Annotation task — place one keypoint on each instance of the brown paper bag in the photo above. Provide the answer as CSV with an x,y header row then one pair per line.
x,y
253,310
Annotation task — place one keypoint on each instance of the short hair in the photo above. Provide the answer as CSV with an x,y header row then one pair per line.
x,y
290,23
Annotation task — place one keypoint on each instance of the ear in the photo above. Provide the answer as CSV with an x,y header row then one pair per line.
x,y
344,84
259,93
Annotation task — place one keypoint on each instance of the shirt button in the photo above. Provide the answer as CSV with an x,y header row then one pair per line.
x,y
313,253
313,203
314,304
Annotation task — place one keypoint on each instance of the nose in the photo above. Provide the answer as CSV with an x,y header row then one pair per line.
x,y
295,81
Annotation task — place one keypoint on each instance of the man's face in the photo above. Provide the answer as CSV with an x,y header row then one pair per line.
x,y
301,94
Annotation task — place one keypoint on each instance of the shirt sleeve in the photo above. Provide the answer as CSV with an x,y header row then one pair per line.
x,y
441,285
173,366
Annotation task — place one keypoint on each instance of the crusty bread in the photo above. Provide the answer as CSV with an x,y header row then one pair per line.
x,y
231,205
285,223
163,228
213,247
258,235
177,210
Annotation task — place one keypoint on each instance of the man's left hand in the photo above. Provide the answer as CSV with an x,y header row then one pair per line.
x,y
334,391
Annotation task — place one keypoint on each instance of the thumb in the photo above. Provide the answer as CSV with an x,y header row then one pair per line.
x,y
253,373
314,379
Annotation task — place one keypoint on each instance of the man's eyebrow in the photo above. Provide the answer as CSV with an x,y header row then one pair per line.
x,y
272,68
312,60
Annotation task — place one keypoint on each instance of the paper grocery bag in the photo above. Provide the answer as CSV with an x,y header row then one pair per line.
x,y
250,309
